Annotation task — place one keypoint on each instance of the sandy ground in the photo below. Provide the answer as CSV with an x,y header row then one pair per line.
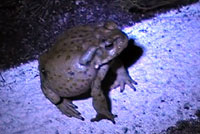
x,y
168,76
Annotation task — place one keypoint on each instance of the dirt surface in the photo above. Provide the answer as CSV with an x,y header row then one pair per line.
x,y
167,100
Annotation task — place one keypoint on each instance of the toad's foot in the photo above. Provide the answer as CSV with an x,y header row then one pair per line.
x,y
69,109
99,117
122,80
123,76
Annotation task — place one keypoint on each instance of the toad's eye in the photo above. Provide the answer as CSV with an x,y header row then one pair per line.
x,y
109,46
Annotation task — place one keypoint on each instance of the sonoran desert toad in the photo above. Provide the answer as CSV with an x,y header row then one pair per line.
x,y
78,62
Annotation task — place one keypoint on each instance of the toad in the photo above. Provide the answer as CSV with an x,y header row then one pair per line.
x,y
78,62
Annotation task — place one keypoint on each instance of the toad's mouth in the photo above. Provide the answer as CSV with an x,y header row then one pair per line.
x,y
105,62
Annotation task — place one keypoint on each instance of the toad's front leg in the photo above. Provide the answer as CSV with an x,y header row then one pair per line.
x,y
99,100
123,77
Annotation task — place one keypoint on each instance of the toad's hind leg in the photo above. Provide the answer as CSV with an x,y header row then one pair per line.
x,y
69,109
64,105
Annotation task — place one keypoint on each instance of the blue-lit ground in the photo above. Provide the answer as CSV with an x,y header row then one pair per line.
x,y
168,90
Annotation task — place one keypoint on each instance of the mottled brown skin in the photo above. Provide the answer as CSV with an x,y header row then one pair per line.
x,y
79,61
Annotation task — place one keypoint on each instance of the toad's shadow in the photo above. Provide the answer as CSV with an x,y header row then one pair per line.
x,y
129,56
